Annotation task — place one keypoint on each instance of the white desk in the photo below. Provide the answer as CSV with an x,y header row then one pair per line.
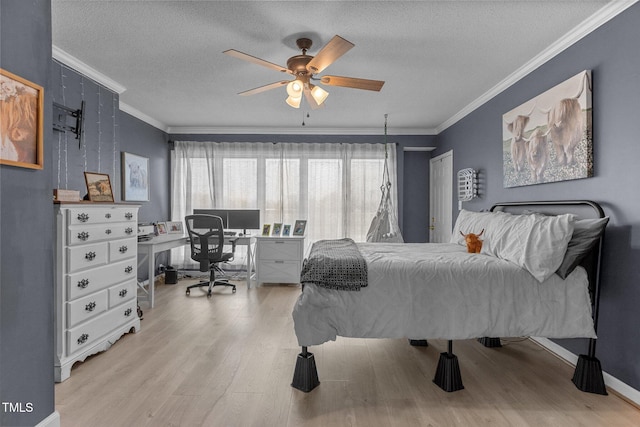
x,y
148,249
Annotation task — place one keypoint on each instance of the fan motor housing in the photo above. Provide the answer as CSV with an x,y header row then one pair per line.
x,y
298,64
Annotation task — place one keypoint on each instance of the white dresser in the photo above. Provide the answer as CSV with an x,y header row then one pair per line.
x,y
96,279
279,259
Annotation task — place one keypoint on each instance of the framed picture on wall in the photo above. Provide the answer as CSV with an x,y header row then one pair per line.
x,y
21,119
98,187
135,177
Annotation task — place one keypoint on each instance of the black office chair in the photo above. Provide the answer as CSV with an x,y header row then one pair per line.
x,y
206,234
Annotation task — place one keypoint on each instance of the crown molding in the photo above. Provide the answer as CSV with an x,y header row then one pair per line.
x,y
144,117
86,70
604,15
203,130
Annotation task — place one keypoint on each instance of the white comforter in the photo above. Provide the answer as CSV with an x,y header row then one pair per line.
x,y
439,291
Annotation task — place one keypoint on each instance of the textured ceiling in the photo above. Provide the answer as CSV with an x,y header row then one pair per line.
x,y
438,58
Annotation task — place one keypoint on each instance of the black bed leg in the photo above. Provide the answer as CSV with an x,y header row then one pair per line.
x,y
448,375
490,342
305,377
588,374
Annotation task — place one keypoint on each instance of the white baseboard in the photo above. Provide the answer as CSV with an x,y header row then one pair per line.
x,y
52,420
610,381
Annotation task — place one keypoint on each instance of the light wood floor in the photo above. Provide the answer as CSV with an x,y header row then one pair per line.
x,y
229,360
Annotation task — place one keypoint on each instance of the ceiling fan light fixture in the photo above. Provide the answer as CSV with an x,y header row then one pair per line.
x,y
294,101
319,94
294,88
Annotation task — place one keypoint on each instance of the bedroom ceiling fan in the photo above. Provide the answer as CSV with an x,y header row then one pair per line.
x,y
304,67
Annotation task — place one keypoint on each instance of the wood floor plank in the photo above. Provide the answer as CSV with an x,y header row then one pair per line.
x,y
228,360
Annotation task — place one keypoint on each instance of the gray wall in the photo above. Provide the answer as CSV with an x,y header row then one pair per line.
x,y
612,53
26,233
107,133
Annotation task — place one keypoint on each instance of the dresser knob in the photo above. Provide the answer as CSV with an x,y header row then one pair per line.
x,y
83,338
107,231
90,256
128,230
83,217
128,215
123,249
107,215
83,283
128,270
91,306
123,293
83,236
128,312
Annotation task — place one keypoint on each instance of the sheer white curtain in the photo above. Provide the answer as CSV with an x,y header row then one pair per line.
x,y
335,187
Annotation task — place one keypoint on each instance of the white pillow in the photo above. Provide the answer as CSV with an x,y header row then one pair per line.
x,y
534,242
470,222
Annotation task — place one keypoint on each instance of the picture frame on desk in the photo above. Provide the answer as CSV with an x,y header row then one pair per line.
x,y
98,187
286,230
299,227
161,228
135,177
266,229
175,227
277,229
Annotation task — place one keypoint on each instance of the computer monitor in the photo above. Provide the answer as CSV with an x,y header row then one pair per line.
x,y
222,213
243,219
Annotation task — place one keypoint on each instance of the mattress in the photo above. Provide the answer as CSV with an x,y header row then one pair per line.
x,y
439,291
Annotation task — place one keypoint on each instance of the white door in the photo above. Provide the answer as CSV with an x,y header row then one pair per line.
x,y
441,198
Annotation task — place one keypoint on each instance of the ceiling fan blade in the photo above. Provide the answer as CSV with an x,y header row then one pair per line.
x,y
253,59
333,50
310,100
353,82
264,88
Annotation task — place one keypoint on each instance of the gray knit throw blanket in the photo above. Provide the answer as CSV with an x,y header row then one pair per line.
x,y
335,264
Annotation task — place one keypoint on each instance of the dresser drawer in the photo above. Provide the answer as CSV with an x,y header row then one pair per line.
x,y
279,271
123,249
85,308
84,335
87,256
122,293
279,249
102,215
97,232
89,281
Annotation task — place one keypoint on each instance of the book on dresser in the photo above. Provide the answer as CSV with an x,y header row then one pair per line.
x,y
95,279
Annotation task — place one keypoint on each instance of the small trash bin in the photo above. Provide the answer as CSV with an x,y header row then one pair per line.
x,y
170,276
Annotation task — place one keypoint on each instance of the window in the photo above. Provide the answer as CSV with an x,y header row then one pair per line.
x,y
335,187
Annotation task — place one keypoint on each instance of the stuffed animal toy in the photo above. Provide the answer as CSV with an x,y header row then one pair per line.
x,y
474,244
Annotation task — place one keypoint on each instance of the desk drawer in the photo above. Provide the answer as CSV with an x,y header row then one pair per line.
x,y
280,249
85,308
279,271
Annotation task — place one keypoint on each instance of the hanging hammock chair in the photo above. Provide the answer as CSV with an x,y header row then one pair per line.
x,y
384,227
